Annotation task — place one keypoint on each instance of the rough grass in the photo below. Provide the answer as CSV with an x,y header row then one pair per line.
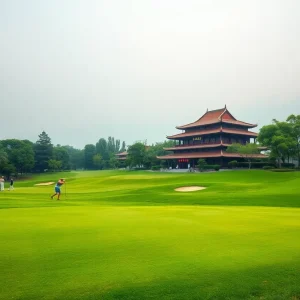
x,y
129,235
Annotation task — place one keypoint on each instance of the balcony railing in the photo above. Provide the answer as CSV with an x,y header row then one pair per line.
x,y
210,143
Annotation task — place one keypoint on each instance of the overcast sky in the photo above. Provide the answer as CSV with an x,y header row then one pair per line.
x,y
83,69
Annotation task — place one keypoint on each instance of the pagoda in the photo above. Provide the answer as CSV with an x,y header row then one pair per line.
x,y
208,138
122,155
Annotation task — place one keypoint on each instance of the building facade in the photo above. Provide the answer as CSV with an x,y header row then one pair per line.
x,y
208,138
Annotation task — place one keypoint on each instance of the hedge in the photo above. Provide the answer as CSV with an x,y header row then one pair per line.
x,y
256,165
212,167
287,165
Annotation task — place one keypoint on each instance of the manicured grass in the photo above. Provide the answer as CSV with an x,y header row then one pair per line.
x,y
129,235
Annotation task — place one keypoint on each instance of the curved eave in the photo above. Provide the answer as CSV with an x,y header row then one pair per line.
x,y
208,155
122,153
192,125
219,130
239,123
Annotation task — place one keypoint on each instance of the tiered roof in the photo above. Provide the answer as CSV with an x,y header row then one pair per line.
x,y
215,117
122,155
217,130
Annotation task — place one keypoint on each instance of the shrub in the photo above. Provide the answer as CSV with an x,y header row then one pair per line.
x,y
217,167
212,167
201,164
155,168
283,170
267,167
233,164
256,165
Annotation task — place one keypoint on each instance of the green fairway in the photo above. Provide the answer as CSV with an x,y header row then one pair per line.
x,y
129,235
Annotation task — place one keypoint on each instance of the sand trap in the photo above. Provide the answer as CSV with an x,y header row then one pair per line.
x,y
45,183
190,188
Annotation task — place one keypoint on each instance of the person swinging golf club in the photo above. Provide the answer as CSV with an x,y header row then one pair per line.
x,y
59,183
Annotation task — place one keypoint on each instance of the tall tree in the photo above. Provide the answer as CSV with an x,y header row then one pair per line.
x,y
123,148
247,151
43,152
111,146
101,148
89,152
136,154
118,144
3,157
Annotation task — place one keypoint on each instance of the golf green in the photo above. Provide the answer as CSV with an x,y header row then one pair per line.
x,y
129,235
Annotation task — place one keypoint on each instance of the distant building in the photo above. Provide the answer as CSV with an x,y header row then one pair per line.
x,y
208,138
122,155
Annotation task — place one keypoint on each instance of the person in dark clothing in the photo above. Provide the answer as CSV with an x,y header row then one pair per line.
x,y
11,187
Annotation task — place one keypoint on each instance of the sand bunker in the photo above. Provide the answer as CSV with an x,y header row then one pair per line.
x,y
45,183
190,188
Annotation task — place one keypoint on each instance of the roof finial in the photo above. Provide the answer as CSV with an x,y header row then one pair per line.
x,y
225,106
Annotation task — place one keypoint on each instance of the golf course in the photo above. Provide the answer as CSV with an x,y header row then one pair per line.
x,y
130,235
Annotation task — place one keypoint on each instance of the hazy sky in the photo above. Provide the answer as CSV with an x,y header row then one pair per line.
x,y
83,69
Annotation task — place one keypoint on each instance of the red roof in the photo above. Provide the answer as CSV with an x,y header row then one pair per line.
x,y
203,132
216,116
218,153
239,131
122,153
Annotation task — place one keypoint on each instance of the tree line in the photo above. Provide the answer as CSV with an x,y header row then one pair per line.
x,y
24,156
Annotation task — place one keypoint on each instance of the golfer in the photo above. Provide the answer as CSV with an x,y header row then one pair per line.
x,y
11,187
59,183
2,183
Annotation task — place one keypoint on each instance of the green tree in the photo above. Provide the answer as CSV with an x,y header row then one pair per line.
x,y
20,154
123,148
98,161
278,137
201,164
158,149
294,121
247,151
76,157
3,157
43,152
8,169
111,146
61,154
117,147
54,165
113,162
101,148
89,152
136,155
